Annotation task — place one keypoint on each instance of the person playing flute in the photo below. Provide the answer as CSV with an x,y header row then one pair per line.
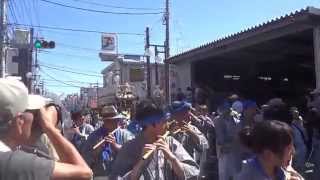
x,y
192,139
168,159
103,145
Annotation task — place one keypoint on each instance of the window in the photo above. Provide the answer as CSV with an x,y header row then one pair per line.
x,y
136,74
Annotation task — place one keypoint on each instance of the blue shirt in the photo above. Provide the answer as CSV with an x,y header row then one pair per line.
x,y
253,170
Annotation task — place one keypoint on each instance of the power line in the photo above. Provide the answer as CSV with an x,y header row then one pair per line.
x,y
66,67
24,11
77,47
63,70
64,54
57,85
27,11
60,81
116,7
91,49
72,29
80,82
36,13
16,8
13,15
100,11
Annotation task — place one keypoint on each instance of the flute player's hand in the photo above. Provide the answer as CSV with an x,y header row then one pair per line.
x,y
164,147
112,140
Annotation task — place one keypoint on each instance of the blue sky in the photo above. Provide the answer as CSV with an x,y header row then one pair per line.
x,y
193,22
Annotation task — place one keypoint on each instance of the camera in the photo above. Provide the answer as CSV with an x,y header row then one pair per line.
x,y
36,128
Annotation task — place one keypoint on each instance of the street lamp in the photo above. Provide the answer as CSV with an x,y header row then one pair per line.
x,y
29,81
147,52
29,75
158,59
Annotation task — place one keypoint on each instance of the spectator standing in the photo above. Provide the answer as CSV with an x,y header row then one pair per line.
x,y
300,141
227,127
15,129
272,143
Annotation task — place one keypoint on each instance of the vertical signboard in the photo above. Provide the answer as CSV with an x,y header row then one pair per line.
x,y
21,37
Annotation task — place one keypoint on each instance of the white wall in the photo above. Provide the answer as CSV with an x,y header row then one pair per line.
x,y
183,79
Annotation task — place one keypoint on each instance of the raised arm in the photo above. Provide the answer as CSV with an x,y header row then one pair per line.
x,y
71,165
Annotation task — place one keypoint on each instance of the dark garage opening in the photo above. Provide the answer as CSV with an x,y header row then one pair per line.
x,y
282,67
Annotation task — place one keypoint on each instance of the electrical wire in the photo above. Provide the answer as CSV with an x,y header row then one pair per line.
x,y
77,47
65,54
100,11
72,29
74,72
12,13
71,81
66,67
60,81
24,8
37,16
57,85
116,7
72,47
15,7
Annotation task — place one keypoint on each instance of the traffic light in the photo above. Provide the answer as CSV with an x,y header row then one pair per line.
x,y
44,44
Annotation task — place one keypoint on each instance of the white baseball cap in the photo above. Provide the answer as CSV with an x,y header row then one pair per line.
x,y
13,99
36,102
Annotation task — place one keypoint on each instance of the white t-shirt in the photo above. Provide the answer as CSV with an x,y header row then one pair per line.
x,y
4,147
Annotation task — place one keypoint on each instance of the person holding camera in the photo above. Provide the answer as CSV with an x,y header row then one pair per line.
x,y
16,128
39,140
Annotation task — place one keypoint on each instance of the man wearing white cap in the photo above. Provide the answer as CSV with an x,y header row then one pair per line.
x,y
16,129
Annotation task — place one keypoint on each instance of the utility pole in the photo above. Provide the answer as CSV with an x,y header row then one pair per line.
x,y
156,64
167,53
3,29
97,93
30,61
147,48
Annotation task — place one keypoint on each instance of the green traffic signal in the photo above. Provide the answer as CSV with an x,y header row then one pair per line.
x,y
38,44
42,44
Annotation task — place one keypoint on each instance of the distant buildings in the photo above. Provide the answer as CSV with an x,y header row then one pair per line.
x,y
129,71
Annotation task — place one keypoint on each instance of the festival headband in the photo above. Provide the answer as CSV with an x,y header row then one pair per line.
x,y
154,119
181,107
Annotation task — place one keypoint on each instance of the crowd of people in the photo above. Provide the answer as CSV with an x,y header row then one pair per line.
x,y
246,142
